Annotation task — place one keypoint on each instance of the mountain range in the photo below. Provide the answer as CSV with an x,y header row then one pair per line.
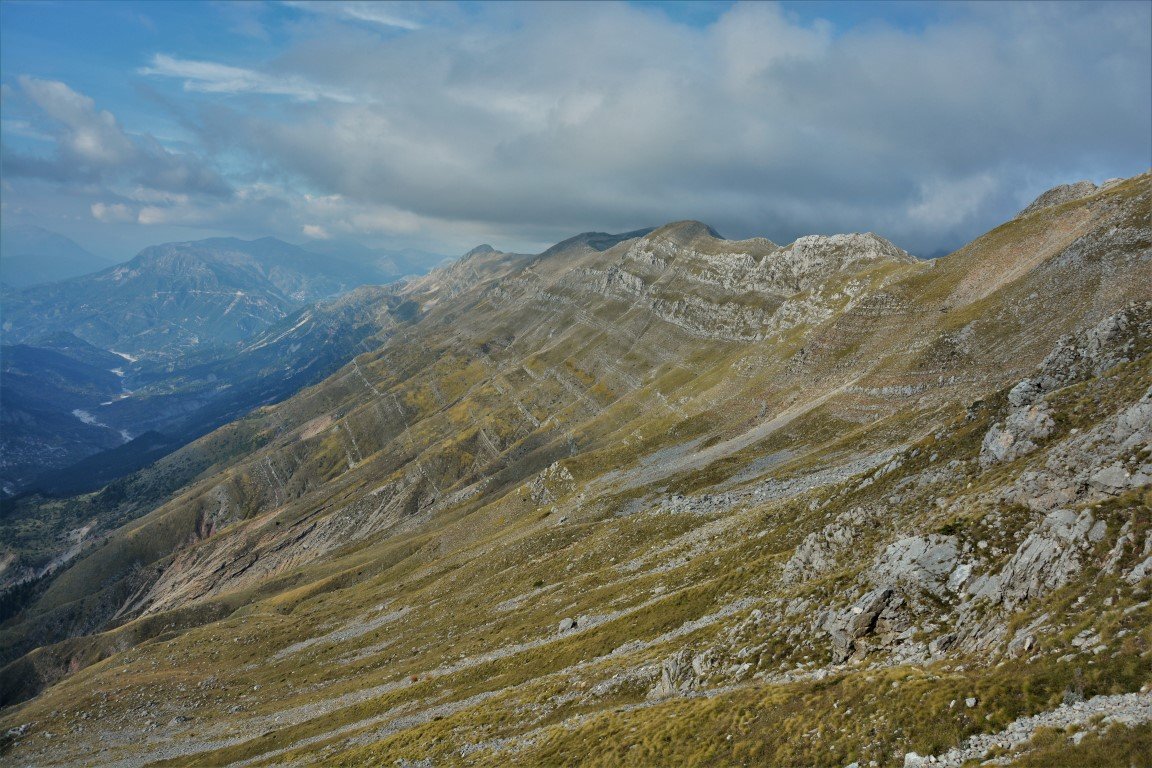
x,y
642,499
105,372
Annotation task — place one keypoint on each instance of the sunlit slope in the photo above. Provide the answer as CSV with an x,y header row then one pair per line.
x,y
638,435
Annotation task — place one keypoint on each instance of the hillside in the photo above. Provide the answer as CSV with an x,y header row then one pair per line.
x,y
655,498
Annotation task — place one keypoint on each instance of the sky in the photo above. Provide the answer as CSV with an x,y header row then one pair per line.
x,y
440,126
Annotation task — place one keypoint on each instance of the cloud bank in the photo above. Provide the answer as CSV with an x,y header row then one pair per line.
x,y
442,126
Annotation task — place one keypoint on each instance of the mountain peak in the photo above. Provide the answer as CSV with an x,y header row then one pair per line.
x,y
480,250
850,248
1064,193
597,241
687,231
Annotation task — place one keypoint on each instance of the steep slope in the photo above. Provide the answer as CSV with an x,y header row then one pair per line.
x,y
671,499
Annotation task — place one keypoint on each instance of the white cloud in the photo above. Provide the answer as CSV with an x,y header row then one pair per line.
x,y
606,116
315,232
524,123
212,77
112,213
374,12
87,134
90,147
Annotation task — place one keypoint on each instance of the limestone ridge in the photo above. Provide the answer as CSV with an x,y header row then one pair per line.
x,y
733,290
833,502
1066,193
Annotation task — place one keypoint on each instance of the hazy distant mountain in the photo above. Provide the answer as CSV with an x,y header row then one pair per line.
x,y
117,368
178,296
31,255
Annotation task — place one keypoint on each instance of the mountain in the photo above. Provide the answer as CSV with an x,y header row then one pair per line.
x,y
48,393
100,422
203,332
650,499
31,255
174,297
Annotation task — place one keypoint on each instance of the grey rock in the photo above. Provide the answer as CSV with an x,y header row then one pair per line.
x,y
846,627
1134,425
924,562
940,645
1065,193
1024,393
818,552
567,625
1045,561
1016,436
1113,479
677,676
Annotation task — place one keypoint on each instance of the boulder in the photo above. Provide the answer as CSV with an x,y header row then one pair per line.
x,y
1018,434
1112,479
677,676
922,562
846,627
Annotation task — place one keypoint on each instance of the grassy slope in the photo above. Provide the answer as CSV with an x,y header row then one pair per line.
x,y
485,578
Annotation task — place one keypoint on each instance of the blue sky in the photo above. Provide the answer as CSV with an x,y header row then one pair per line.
x,y
443,125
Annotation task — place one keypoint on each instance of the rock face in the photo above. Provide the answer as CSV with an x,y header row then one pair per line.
x,y
926,563
820,550
1047,559
1017,435
1064,193
861,620
736,289
677,676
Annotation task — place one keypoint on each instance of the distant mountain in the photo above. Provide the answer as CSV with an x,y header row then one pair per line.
x,y
31,255
174,297
174,403
104,373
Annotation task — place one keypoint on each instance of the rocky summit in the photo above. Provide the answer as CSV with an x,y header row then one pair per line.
x,y
648,499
